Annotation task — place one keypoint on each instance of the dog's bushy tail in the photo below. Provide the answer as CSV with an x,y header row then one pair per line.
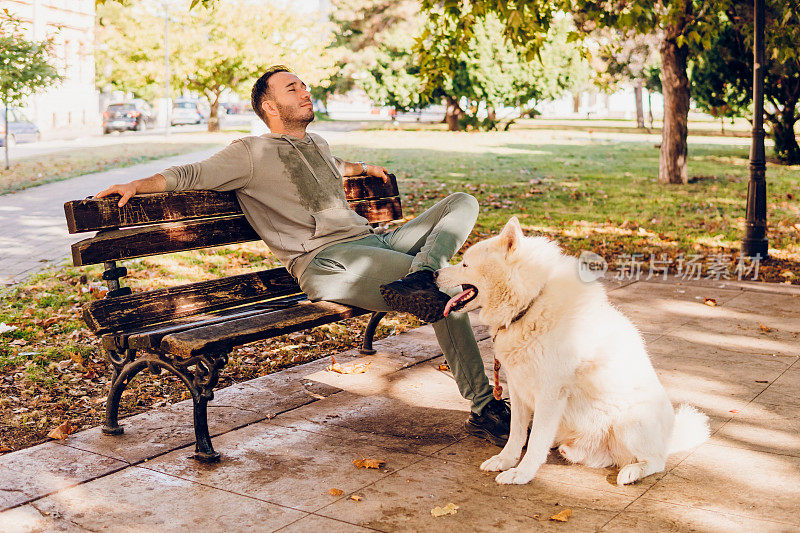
x,y
690,429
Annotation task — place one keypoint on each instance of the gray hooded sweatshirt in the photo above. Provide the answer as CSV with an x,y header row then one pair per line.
x,y
290,191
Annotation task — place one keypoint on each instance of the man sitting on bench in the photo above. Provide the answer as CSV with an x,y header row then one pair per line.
x,y
290,189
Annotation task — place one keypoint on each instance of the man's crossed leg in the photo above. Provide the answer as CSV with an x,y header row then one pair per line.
x,y
353,272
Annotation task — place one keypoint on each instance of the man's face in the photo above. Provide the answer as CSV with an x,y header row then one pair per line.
x,y
291,98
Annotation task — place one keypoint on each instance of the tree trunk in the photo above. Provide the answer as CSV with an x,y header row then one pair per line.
x,y
576,103
672,166
786,148
213,116
637,93
650,108
452,114
5,134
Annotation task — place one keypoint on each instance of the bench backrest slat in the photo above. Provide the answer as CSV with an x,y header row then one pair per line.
x,y
145,241
155,239
98,214
142,309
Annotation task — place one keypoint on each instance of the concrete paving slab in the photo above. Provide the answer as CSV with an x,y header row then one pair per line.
x,y
660,307
651,515
720,386
738,331
320,523
403,502
472,451
40,470
735,481
138,499
780,305
770,423
381,421
287,466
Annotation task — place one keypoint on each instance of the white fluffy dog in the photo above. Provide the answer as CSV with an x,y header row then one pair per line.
x,y
571,359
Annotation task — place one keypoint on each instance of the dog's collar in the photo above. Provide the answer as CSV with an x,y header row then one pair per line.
x,y
516,318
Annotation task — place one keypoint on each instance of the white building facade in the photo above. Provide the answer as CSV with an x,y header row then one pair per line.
x,y
71,108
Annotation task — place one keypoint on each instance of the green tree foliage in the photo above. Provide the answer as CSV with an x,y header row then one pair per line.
x,y
213,49
680,23
375,50
494,73
722,77
25,66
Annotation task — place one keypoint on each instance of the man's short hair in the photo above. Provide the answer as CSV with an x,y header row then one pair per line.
x,y
261,89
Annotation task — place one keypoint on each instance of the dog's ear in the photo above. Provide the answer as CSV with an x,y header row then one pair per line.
x,y
511,235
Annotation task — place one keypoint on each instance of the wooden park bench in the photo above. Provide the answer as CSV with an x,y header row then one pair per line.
x,y
190,330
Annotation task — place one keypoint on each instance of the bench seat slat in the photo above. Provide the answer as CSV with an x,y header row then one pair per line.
x,y
222,337
98,214
147,308
149,339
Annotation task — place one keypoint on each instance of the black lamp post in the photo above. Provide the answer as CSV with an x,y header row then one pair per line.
x,y
755,241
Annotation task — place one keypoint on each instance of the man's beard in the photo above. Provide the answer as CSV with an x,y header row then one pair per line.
x,y
296,116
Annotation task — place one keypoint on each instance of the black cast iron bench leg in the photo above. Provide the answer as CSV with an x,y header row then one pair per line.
x,y
369,333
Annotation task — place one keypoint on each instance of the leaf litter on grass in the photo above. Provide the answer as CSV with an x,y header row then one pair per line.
x,y
54,370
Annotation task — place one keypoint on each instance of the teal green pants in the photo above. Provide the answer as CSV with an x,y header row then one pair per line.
x,y
352,272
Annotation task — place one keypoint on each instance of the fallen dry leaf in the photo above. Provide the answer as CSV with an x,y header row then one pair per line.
x,y
444,367
368,463
711,302
61,432
355,368
562,516
450,508
46,323
336,492
5,449
355,497
765,329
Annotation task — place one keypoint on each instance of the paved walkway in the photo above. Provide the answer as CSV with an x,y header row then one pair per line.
x,y
33,231
289,438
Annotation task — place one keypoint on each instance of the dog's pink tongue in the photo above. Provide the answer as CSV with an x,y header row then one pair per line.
x,y
455,300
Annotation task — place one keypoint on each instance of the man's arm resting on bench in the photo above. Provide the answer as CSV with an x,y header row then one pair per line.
x,y
155,183
355,169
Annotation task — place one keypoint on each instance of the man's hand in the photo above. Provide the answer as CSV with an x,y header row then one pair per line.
x,y
126,190
155,183
378,172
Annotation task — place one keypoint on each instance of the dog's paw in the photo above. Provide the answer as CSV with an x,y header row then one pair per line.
x,y
573,455
629,474
514,476
497,463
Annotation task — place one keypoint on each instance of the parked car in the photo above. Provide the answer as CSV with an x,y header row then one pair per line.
x,y
128,116
186,112
20,129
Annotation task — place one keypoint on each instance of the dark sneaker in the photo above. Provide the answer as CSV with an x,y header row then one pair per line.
x,y
493,424
417,294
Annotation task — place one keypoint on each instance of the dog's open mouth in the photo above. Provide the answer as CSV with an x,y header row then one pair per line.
x,y
461,299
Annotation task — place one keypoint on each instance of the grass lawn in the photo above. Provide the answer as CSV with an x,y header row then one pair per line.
x,y
588,193
38,170
592,194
